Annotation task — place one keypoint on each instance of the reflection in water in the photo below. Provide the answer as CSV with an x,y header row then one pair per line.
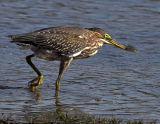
x,y
59,109
38,93
46,116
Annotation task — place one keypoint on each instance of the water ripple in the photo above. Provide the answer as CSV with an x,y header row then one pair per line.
x,y
113,82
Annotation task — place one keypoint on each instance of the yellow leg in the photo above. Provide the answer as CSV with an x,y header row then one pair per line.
x,y
58,83
33,84
65,62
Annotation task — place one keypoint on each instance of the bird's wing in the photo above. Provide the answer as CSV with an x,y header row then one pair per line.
x,y
63,44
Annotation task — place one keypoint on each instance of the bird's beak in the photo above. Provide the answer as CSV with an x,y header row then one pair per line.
x,y
115,43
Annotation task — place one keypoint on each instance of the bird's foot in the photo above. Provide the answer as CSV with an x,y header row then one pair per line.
x,y
33,84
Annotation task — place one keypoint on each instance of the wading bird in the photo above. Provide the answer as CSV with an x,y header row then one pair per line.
x,y
63,44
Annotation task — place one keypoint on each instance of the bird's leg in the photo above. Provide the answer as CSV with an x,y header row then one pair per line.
x,y
65,62
33,84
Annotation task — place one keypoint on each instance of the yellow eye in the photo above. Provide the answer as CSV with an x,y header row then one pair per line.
x,y
107,36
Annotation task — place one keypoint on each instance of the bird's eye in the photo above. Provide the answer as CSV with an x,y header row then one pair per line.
x,y
107,36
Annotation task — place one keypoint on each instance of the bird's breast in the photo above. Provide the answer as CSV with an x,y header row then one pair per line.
x,y
90,50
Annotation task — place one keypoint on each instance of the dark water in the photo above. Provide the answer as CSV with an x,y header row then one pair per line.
x,y
112,83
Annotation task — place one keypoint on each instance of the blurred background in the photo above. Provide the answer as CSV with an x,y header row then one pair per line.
x,y
112,83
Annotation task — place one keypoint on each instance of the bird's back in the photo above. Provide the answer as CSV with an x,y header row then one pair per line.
x,y
66,41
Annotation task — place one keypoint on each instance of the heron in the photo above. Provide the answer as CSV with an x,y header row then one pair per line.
x,y
63,44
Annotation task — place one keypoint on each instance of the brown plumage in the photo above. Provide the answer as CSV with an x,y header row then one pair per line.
x,y
65,41
63,44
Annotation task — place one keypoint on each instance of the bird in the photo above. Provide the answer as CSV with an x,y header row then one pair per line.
x,y
63,44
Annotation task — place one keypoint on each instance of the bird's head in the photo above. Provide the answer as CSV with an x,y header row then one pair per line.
x,y
107,39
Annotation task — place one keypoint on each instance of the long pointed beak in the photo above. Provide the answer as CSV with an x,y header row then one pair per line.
x,y
115,43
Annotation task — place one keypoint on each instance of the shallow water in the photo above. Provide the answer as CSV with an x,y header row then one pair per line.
x,y
112,83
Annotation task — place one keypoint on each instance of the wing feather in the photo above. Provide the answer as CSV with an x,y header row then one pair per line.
x,y
64,44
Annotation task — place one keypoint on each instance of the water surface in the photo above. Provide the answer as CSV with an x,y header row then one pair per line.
x,y
112,83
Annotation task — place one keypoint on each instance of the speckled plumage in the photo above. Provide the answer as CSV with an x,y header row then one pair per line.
x,y
62,41
63,44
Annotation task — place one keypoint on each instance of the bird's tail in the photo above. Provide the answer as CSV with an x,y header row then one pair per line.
x,y
21,40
